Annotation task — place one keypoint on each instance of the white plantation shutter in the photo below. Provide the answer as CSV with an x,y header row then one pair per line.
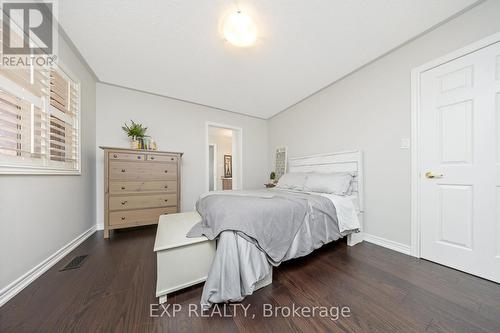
x,y
22,120
21,128
64,106
39,113
15,119
39,119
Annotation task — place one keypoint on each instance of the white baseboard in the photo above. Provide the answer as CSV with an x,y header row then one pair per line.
x,y
399,247
22,282
100,227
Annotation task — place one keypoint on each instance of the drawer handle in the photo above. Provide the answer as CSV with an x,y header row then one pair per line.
x,y
138,157
115,156
172,159
166,186
123,170
123,187
166,200
123,218
124,202
152,157
166,171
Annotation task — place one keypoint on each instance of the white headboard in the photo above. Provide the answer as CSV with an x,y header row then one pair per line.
x,y
346,161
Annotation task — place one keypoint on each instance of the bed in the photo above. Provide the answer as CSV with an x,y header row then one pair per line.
x,y
257,230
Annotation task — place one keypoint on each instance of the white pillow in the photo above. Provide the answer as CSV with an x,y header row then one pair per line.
x,y
334,182
292,181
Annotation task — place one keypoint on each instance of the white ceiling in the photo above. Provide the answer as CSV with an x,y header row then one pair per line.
x,y
174,47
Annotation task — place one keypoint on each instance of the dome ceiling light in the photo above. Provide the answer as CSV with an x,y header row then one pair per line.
x,y
239,29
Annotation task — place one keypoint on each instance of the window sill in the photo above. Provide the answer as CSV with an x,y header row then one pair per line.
x,y
18,170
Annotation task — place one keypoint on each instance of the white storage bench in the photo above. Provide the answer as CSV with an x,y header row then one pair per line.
x,y
181,261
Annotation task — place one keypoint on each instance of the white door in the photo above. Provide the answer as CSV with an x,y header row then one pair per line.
x,y
460,163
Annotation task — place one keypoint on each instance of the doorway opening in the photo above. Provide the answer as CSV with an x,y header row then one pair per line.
x,y
223,157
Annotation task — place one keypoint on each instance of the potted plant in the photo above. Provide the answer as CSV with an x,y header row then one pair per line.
x,y
272,177
136,132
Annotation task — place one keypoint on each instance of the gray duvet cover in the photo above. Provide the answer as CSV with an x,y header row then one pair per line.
x,y
257,230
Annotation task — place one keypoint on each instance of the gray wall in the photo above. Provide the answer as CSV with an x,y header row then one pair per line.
x,y
176,126
370,110
41,214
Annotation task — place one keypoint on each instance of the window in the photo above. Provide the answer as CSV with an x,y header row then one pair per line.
x,y
39,121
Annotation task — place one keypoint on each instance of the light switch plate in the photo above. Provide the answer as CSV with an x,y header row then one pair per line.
x,y
405,143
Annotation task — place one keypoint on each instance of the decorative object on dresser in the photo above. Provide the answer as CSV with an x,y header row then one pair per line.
x,y
136,132
139,186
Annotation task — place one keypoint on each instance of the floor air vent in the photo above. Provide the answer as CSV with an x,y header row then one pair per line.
x,y
76,262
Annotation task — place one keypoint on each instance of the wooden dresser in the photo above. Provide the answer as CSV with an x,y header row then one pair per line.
x,y
139,186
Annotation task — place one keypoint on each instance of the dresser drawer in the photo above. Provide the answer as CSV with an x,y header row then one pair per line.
x,y
139,217
162,158
142,201
116,187
127,157
142,171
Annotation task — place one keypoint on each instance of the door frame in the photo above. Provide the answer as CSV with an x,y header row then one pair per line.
x,y
237,143
415,129
214,165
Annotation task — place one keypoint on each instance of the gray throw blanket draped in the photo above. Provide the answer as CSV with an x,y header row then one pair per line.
x,y
271,222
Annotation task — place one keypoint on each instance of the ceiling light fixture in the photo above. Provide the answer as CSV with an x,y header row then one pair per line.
x,y
239,29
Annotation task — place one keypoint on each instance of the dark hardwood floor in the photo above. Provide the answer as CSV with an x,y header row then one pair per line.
x,y
384,290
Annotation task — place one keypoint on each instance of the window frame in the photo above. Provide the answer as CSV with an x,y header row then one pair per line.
x,y
26,169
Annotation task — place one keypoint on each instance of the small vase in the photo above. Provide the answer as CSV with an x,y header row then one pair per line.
x,y
135,144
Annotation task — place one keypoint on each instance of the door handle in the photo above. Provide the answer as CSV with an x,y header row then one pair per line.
x,y
430,175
